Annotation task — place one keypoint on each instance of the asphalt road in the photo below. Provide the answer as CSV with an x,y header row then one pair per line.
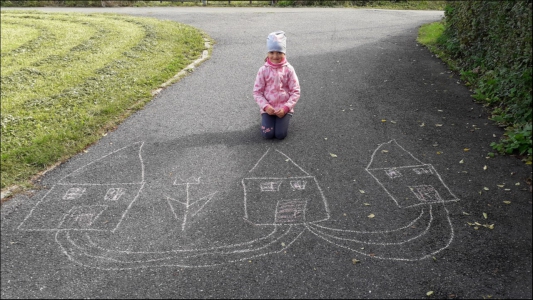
x,y
381,190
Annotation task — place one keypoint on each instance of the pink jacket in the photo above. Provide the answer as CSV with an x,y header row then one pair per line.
x,y
277,85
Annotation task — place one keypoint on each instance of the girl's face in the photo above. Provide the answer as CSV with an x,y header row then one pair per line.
x,y
276,57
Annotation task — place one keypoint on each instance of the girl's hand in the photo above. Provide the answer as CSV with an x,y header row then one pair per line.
x,y
280,113
270,110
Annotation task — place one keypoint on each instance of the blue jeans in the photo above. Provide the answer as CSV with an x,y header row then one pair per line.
x,y
274,127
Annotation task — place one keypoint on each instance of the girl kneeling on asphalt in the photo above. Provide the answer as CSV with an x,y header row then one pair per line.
x,y
276,88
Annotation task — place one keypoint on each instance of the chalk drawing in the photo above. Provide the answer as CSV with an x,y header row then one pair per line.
x,y
399,173
410,184
113,194
82,217
270,186
197,205
290,211
88,188
286,199
426,193
298,184
74,193
393,173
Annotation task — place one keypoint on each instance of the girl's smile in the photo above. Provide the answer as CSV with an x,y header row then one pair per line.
x,y
276,57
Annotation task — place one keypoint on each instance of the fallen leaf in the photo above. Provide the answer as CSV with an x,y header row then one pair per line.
x,y
501,185
326,139
384,151
393,122
506,189
489,226
383,120
282,244
287,159
507,202
371,216
422,125
354,261
361,191
477,223
366,204
429,293
438,152
434,258
333,155
485,215
486,188
518,183
466,149
485,167
438,125
462,161
466,214
476,228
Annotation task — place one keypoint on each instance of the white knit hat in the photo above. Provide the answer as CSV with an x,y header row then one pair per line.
x,y
277,41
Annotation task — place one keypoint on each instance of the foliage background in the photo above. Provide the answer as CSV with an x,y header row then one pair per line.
x,y
490,43
396,4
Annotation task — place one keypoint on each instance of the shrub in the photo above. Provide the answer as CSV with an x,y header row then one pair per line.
x,y
491,43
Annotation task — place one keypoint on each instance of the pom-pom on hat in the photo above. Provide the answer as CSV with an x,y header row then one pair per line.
x,y
277,41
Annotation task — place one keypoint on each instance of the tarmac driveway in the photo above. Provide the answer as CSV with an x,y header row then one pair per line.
x,y
381,190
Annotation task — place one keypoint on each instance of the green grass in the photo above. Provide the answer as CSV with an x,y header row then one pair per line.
x,y
385,4
431,36
67,78
517,136
429,33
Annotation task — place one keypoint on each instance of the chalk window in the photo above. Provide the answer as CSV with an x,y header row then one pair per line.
x,y
113,194
73,193
422,171
298,184
393,173
270,186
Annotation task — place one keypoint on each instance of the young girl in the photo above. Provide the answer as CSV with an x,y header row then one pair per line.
x,y
276,88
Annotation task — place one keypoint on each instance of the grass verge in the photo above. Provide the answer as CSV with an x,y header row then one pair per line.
x,y
386,4
67,78
516,139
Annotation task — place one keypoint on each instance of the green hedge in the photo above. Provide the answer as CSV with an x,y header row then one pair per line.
x,y
491,42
